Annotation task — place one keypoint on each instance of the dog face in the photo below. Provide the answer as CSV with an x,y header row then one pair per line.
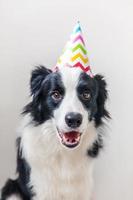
x,y
69,97
73,115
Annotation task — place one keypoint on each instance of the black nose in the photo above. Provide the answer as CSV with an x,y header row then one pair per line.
x,y
73,119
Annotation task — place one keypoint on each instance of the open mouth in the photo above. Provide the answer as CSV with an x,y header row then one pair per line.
x,y
70,139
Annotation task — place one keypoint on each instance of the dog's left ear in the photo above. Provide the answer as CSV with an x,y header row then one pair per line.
x,y
36,107
37,77
101,99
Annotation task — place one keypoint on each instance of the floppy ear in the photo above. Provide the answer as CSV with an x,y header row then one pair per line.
x,y
37,77
101,99
37,108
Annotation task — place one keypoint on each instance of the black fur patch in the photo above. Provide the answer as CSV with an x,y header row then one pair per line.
x,y
43,83
88,84
23,171
96,147
11,187
96,104
101,99
20,185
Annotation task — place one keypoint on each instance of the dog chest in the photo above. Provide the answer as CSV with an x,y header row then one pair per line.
x,y
63,179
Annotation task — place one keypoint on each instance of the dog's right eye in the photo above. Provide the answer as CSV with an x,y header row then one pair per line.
x,y
56,95
86,95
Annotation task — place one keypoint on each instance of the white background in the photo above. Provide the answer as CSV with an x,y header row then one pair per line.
x,y
34,32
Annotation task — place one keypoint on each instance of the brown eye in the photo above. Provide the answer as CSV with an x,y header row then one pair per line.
x,y
56,95
86,95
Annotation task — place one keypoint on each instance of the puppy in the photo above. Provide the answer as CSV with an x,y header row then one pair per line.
x,y
59,138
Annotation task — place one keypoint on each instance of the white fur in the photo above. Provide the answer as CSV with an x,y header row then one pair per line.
x,y
71,102
14,197
57,172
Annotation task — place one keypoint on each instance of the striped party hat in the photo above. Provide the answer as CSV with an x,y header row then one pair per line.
x,y
75,53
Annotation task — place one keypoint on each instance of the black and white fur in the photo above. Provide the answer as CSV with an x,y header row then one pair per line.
x,y
46,169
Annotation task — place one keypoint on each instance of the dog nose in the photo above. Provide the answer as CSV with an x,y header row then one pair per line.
x,y
73,120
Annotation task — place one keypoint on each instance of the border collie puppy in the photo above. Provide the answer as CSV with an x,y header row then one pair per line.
x,y
59,137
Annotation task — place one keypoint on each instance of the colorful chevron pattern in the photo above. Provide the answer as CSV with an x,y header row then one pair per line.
x,y
75,53
79,46
82,58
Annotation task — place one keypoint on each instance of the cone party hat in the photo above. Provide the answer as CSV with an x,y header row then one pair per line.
x,y
75,52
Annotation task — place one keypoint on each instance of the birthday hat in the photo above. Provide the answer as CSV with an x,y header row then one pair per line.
x,y
75,52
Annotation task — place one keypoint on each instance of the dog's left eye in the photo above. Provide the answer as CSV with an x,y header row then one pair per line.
x,y
56,95
86,95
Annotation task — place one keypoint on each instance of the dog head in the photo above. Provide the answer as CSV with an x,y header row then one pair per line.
x,y
71,98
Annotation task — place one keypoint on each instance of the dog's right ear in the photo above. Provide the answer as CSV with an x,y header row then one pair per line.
x,y
37,77
101,99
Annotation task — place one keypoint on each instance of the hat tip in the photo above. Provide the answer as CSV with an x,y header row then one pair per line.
x,y
77,27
